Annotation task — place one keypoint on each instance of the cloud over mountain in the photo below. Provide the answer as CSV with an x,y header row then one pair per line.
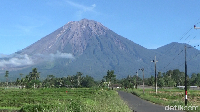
x,y
18,60
52,56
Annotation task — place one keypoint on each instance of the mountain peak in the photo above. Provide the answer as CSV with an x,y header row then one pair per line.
x,y
73,37
84,24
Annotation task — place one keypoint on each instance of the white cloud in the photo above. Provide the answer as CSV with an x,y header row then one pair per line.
x,y
17,60
82,8
61,55
20,60
54,56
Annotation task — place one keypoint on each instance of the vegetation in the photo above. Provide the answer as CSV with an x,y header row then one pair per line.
x,y
82,93
32,81
76,93
170,97
171,78
6,75
174,78
62,99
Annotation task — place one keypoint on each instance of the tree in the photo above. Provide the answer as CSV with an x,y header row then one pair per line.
x,y
197,80
126,83
88,81
49,81
110,77
17,82
31,80
78,78
181,78
150,81
193,79
6,75
161,82
21,75
169,81
34,75
177,76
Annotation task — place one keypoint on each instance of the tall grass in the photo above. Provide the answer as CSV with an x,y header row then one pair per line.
x,y
62,100
169,97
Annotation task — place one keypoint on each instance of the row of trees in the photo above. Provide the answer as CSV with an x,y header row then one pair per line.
x,y
32,80
175,78
171,78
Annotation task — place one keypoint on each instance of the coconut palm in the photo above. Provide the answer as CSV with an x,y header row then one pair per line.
x,y
6,75
21,75
34,74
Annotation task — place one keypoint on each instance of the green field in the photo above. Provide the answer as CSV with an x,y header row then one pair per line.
x,y
62,100
169,97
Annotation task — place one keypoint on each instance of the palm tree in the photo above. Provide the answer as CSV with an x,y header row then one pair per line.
x,y
21,75
6,75
34,74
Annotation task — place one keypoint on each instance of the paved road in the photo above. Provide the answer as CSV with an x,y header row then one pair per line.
x,y
139,105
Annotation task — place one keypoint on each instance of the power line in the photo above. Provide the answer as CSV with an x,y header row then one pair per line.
x,y
174,58
187,37
183,36
186,33
192,57
191,39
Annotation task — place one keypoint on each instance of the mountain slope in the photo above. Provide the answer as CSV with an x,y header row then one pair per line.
x,y
175,52
95,47
89,47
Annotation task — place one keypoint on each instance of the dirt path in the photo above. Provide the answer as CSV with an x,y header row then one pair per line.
x,y
139,105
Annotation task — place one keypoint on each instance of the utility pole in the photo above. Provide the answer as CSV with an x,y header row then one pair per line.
x,y
143,78
136,79
186,75
155,75
185,78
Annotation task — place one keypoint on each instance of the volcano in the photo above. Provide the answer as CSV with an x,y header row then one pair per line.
x,y
89,47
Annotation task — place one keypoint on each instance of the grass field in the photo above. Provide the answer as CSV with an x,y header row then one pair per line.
x,y
170,97
62,100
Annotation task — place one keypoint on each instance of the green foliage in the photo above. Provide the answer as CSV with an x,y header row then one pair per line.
x,y
168,97
195,79
32,108
57,99
88,82
150,81
71,81
6,74
171,78
160,82
130,81
178,77
110,77
34,75
32,83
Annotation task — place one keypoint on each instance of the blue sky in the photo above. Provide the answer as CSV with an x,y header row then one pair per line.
x,y
150,23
